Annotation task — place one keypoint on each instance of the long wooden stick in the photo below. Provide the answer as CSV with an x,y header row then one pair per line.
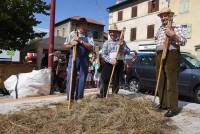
x,y
165,48
71,75
164,54
113,69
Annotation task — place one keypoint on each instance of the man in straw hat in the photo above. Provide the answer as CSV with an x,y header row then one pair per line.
x,y
85,43
168,87
108,54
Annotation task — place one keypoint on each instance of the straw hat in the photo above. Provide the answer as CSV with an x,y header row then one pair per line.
x,y
165,10
113,28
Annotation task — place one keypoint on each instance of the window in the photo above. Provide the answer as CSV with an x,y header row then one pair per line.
x,y
192,60
184,6
133,34
110,16
150,31
63,32
188,29
147,60
95,35
134,12
58,32
120,15
153,6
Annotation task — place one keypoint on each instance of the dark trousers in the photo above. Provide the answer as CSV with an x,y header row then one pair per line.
x,y
168,87
105,77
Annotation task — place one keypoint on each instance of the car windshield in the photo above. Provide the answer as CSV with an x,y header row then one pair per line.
x,y
193,60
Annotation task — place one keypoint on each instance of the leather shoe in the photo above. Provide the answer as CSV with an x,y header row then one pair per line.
x,y
170,114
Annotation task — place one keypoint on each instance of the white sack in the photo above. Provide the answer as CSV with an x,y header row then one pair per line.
x,y
35,83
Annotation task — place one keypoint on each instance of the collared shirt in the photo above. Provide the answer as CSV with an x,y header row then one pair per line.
x,y
87,37
109,51
160,37
81,50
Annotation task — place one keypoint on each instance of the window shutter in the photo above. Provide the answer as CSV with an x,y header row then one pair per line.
x,y
150,31
133,34
187,3
63,32
120,15
149,6
134,11
184,6
157,5
188,30
58,32
153,6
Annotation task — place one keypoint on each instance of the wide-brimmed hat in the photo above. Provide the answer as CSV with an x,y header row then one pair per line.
x,y
165,10
114,28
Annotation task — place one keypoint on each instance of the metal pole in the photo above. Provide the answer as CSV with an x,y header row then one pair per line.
x,y
51,34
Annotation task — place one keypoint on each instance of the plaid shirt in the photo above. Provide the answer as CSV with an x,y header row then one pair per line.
x,y
109,51
160,37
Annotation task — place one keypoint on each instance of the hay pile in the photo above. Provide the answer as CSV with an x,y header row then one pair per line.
x,y
117,114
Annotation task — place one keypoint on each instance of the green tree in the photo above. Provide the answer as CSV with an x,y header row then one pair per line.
x,y
17,19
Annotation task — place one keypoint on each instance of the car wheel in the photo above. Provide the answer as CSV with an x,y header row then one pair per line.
x,y
197,95
134,85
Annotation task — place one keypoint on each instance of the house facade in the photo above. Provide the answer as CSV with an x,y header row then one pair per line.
x,y
64,27
187,14
141,21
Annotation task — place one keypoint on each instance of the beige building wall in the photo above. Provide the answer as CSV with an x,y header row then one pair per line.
x,y
71,25
65,26
191,17
140,22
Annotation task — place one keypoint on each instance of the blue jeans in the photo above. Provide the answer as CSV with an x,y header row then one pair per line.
x,y
81,66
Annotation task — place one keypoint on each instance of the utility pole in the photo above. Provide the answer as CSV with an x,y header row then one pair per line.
x,y
51,34
51,42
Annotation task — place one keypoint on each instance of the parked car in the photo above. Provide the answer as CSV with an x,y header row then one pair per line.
x,y
128,62
143,75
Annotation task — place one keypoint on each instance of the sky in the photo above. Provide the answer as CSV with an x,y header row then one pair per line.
x,y
95,9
